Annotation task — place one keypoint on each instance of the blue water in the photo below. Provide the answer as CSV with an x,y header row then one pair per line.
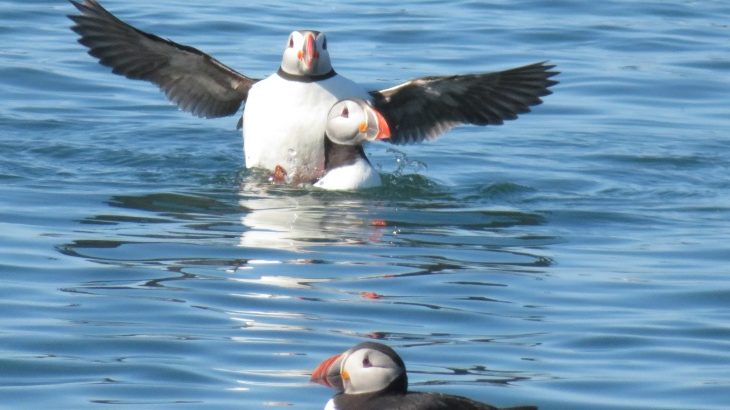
x,y
576,258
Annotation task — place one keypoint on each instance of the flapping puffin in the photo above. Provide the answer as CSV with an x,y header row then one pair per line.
x,y
286,114
371,376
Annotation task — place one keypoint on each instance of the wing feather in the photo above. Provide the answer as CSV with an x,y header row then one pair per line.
x,y
193,80
424,108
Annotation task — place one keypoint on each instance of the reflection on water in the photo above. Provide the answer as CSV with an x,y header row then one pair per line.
x,y
296,219
269,222
273,238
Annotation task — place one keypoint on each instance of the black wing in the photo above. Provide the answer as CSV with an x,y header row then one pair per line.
x,y
193,80
425,108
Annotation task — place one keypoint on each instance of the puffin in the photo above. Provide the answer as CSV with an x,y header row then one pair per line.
x,y
350,124
285,115
371,376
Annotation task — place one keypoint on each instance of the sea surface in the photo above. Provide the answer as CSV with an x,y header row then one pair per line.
x,y
577,258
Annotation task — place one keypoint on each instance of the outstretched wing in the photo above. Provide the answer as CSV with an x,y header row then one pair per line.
x,y
425,108
193,80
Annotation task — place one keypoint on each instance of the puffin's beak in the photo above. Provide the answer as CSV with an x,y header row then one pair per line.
x,y
328,373
310,51
382,124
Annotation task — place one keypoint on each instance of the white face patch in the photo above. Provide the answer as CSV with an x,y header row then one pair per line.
x,y
293,61
344,123
369,371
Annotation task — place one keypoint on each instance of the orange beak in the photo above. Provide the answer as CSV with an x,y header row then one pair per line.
x,y
309,54
328,373
383,127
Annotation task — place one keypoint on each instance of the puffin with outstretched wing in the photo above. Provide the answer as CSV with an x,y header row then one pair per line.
x,y
286,114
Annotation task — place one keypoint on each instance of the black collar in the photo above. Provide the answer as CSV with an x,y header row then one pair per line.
x,y
305,78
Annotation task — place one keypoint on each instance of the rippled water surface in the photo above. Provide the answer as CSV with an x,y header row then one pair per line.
x,y
575,258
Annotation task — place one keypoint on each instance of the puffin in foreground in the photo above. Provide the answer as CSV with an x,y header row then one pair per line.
x,y
350,124
286,114
371,376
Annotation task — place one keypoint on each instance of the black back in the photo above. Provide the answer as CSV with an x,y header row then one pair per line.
x,y
412,401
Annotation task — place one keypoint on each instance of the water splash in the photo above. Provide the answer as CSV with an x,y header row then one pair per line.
x,y
404,164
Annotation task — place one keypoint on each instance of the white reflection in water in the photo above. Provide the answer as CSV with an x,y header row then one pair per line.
x,y
297,220
281,282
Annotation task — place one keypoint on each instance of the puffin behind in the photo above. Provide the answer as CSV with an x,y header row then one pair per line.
x,y
286,113
371,376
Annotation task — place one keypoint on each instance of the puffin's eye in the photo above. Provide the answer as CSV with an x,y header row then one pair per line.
x,y
345,113
324,44
366,362
291,42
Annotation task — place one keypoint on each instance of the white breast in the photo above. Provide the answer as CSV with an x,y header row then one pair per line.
x,y
284,123
358,175
330,405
